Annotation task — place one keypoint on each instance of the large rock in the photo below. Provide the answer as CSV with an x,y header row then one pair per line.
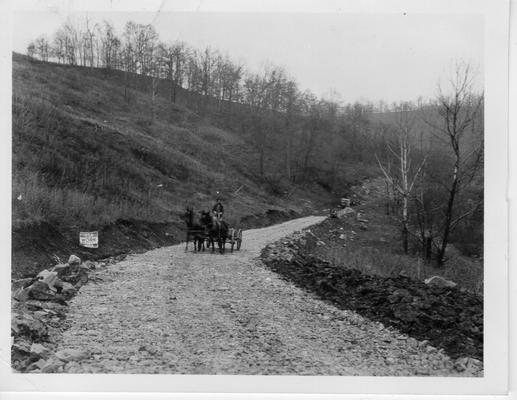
x,y
440,282
67,355
37,366
90,265
66,289
54,308
74,260
21,294
77,278
21,348
20,353
52,365
38,351
345,212
49,277
41,291
22,283
26,325
62,269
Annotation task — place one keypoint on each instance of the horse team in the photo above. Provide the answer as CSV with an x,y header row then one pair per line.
x,y
210,230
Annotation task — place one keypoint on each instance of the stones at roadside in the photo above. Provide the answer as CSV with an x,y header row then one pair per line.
x,y
40,307
71,366
460,365
439,281
90,265
21,347
452,319
399,295
50,307
21,294
28,326
430,349
67,355
74,260
37,366
40,314
52,365
48,277
77,278
345,212
61,269
66,289
22,283
467,363
39,290
37,351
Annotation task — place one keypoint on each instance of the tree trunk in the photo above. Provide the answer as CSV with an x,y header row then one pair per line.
x,y
405,229
449,213
288,155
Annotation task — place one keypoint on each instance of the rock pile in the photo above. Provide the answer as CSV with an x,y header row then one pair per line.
x,y
450,318
38,310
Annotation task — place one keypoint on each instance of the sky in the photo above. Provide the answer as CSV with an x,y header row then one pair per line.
x,y
362,56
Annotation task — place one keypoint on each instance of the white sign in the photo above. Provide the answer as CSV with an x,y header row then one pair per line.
x,y
89,239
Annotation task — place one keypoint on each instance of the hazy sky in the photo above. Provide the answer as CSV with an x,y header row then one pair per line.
x,y
362,56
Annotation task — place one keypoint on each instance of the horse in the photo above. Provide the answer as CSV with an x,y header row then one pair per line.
x,y
194,231
217,230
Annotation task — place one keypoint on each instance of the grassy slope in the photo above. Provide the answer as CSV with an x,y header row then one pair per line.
x,y
374,247
83,157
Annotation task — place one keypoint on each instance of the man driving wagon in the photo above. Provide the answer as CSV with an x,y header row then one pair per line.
x,y
218,209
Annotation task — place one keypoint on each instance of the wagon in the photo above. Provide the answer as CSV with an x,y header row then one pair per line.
x,y
235,238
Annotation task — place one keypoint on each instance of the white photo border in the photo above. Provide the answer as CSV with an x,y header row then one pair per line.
x,y
497,278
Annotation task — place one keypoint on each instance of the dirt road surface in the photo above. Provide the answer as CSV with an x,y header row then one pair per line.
x,y
174,312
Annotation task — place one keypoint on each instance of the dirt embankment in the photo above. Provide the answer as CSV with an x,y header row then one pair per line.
x,y
449,318
38,247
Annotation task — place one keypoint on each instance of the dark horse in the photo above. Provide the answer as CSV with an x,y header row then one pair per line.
x,y
195,231
217,230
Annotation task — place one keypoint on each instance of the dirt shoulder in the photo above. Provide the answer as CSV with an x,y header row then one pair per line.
x,y
40,246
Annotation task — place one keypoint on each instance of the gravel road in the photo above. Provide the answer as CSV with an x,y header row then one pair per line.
x,y
167,311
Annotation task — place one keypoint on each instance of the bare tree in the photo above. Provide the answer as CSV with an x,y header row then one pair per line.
x,y
42,48
89,35
291,103
457,107
110,45
31,49
179,56
403,182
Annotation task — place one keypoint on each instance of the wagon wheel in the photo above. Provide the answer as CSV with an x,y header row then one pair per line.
x,y
239,240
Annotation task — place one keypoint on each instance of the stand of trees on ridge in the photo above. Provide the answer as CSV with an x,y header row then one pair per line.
x,y
430,152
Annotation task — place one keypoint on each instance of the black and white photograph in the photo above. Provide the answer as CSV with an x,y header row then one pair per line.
x,y
227,192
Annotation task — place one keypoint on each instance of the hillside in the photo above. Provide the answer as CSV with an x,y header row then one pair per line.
x,y
90,153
